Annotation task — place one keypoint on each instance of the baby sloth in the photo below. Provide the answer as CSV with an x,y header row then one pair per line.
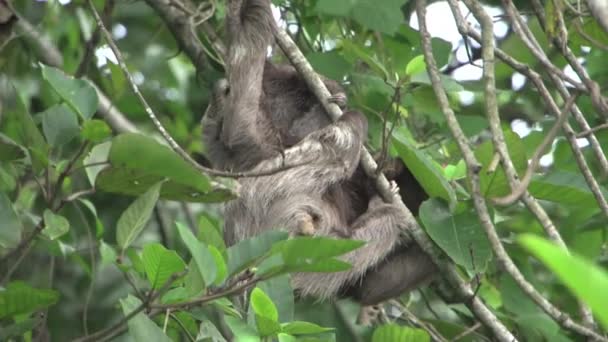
x,y
263,117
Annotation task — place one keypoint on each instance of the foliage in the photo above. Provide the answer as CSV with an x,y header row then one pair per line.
x,y
99,223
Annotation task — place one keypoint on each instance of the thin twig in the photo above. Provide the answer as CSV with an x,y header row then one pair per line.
x,y
522,187
144,305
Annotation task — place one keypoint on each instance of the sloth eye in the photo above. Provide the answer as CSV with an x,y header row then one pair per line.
x,y
227,90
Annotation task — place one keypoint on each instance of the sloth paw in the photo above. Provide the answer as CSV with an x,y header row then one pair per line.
x,y
339,99
368,315
394,187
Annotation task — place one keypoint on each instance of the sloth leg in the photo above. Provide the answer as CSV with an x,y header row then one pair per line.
x,y
402,271
380,229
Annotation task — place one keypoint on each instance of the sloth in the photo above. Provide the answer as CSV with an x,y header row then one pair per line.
x,y
263,117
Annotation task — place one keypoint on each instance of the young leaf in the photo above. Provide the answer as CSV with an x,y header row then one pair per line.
x,y
56,225
141,328
95,130
11,228
20,298
394,332
59,124
78,94
262,305
586,280
160,264
203,258
266,314
134,219
99,154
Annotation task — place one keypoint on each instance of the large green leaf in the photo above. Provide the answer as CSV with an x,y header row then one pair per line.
x,y
203,258
160,264
134,219
426,173
588,281
59,124
20,298
138,161
459,235
141,328
78,94
11,227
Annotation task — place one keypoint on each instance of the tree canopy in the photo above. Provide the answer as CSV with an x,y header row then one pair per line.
x,y
111,227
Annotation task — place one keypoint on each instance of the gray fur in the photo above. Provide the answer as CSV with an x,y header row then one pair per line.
x,y
264,117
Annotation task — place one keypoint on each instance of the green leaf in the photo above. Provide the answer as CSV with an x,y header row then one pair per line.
x,y
134,219
10,150
304,249
266,314
59,124
98,154
303,328
138,161
397,333
108,254
11,227
367,57
586,280
220,265
95,130
55,225
242,332
201,255
459,235
209,234
426,173
262,305
160,264
330,64
141,328
20,298
379,15
495,183
415,66
280,292
337,8
564,187
19,125
251,251
208,332
78,94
